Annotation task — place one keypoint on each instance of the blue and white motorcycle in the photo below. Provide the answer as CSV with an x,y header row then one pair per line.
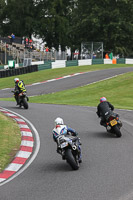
x,y
68,147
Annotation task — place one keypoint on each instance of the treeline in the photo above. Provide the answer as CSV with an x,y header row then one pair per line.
x,y
71,22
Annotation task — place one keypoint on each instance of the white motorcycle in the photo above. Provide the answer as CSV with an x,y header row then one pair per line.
x,y
68,147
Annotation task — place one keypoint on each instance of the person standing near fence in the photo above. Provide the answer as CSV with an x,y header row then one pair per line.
x,y
12,38
111,55
106,56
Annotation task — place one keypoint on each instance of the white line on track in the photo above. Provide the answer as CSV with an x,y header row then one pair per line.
x,y
6,89
67,76
51,80
103,79
36,83
92,82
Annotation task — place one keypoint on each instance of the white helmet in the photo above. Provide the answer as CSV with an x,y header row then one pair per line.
x,y
59,121
16,80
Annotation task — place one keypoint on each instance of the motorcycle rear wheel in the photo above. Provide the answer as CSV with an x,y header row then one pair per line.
x,y
71,160
117,131
25,104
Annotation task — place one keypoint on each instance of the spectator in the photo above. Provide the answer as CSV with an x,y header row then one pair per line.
x,y
30,41
111,55
26,42
12,37
94,56
47,49
106,56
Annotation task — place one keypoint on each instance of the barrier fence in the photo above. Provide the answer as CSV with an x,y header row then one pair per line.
x,y
18,71
43,65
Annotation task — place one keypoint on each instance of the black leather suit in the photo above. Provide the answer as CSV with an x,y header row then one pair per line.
x,y
104,109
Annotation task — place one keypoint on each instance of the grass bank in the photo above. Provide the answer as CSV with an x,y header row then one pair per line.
x,y
118,90
10,139
54,73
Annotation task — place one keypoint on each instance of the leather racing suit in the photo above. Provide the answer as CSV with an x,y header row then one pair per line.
x,y
104,110
64,130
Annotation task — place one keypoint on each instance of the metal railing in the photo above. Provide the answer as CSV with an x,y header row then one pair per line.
x,y
18,52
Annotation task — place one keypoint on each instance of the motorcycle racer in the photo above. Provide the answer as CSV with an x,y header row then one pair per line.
x,y
19,87
104,109
62,129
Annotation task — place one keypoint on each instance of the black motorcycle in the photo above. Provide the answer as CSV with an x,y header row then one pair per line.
x,y
113,124
68,147
22,99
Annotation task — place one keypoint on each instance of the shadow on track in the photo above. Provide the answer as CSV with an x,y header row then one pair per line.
x,y
56,167
102,135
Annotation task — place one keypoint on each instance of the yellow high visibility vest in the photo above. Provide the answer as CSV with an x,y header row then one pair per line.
x,y
21,86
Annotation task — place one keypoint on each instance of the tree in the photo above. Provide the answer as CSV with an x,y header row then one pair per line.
x,y
21,15
2,16
71,22
107,21
53,26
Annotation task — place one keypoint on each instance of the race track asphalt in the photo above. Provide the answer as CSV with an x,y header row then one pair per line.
x,y
68,83
107,169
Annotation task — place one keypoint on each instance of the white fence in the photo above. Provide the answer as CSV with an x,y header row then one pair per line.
x,y
59,64
128,61
107,61
85,62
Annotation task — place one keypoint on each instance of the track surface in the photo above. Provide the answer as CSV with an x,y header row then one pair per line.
x,y
107,169
67,83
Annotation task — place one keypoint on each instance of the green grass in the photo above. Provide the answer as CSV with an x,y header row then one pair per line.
x,y
118,90
54,73
10,139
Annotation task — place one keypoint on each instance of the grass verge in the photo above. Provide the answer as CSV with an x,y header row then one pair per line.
x,y
10,139
118,90
54,73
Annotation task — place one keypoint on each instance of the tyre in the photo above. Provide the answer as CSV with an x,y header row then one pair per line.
x,y
25,104
117,131
71,160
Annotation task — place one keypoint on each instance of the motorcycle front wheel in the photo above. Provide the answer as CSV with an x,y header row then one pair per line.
x,y
71,160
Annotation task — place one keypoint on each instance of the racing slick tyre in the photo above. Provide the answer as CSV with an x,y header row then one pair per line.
x,y
71,160
25,104
117,131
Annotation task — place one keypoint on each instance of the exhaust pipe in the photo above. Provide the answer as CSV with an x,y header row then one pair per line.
x,y
74,147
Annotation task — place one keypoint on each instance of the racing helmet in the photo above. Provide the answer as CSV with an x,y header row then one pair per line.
x,y
59,121
16,80
103,99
